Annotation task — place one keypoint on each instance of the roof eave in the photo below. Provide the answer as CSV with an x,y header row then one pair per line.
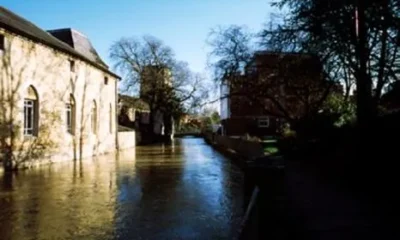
x,y
35,39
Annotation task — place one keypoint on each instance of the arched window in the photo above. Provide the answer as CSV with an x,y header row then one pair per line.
x,y
111,119
93,117
31,112
70,114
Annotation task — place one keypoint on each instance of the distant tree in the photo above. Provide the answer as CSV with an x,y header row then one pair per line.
x,y
215,118
208,117
170,85
286,85
355,40
339,110
232,50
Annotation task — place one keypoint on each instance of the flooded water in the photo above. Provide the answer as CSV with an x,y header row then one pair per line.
x,y
181,191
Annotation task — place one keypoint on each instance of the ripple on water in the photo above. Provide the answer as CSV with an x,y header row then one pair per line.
x,y
180,191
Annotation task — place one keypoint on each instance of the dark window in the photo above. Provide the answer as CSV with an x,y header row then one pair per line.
x,y
2,47
72,66
106,80
69,117
263,122
29,117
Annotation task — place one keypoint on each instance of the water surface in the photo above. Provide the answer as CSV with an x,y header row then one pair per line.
x,y
185,190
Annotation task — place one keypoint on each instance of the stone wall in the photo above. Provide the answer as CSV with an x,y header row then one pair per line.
x,y
243,148
240,126
29,65
126,140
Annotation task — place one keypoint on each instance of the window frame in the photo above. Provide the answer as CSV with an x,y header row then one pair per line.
x,y
263,122
69,110
29,117
31,113
70,115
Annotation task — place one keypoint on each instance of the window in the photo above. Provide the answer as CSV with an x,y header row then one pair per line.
x,y
93,117
105,80
70,115
263,122
72,66
2,47
31,113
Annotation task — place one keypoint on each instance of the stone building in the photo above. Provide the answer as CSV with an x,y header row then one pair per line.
x,y
58,99
134,113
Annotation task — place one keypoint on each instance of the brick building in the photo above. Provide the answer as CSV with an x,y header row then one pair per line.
x,y
273,88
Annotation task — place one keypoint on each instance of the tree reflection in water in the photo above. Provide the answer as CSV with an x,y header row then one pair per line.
x,y
182,190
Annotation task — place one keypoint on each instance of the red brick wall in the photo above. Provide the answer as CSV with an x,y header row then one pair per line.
x,y
239,126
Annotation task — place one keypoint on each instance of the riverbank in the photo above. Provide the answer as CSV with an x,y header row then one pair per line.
x,y
266,215
327,190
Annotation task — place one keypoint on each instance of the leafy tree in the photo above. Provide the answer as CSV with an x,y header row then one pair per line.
x,y
340,111
215,118
286,85
355,40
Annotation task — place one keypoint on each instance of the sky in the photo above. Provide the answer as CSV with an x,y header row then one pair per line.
x,y
183,25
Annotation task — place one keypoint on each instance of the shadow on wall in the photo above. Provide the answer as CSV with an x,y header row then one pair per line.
x,y
40,117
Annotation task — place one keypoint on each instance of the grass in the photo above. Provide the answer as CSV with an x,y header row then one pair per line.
x,y
271,150
270,146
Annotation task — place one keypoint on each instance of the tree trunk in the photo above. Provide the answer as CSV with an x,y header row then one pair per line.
x,y
383,59
365,106
149,135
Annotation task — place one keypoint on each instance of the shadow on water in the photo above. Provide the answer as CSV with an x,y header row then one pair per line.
x,y
182,190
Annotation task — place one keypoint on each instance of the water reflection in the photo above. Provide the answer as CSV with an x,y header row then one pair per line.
x,y
181,191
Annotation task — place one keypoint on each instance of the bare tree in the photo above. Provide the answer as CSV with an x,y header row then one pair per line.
x,y
284,84
232,50
150,68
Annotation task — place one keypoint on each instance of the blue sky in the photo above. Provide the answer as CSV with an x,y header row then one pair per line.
x,y
182,24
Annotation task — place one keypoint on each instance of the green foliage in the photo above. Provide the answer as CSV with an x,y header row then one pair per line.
x,y
287,132
340,111
206,124
215,118
362,50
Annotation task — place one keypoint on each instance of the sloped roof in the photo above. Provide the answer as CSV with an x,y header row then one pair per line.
x,y
79,42
134,102
18,25
296,61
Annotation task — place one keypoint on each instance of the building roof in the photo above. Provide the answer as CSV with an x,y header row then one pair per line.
x,y
272,60
79,42
134,102
18,25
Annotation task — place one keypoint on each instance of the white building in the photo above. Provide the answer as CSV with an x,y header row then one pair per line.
x,y
57,97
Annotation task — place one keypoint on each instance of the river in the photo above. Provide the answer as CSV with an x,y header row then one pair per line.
x,y
184,190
